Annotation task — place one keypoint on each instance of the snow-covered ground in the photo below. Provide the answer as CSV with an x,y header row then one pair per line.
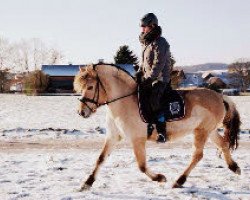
x,y
47,150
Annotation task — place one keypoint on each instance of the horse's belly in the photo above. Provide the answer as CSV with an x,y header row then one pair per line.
x,y
199,117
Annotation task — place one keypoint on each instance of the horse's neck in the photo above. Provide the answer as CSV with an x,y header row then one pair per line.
x,y
117,86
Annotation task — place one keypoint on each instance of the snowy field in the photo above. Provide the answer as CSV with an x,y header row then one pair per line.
x,y
47,150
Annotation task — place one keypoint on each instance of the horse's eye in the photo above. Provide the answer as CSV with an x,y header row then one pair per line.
x,y
90,87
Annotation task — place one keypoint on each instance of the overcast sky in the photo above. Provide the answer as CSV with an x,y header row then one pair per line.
x,y
198,31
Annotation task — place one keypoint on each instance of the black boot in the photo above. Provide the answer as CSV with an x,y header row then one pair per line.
x,y
150,129
161,129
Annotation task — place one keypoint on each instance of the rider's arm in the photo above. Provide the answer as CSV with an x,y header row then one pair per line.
x,y
161,58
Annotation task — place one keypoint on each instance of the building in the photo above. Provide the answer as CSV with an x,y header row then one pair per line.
x,y
11,82
192,80
177,77
61,77
17,83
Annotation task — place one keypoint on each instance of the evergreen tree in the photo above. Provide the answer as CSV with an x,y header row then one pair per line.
x,y
125,56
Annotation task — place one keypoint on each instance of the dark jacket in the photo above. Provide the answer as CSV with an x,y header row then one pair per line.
x,y
155,62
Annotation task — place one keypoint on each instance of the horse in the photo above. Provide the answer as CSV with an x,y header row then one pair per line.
x,y
205,112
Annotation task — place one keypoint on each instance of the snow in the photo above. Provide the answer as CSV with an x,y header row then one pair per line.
x,y
47,150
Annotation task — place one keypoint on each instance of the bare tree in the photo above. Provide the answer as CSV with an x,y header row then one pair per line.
x,y
24,53
27,54
43,54
31,54
5,52
39,53
55,56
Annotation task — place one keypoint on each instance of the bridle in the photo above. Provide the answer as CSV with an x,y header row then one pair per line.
x,y
95,99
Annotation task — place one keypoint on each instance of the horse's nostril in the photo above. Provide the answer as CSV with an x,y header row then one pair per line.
x,y
81,113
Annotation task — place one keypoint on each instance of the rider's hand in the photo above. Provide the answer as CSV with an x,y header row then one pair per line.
x,y
148,82
138,76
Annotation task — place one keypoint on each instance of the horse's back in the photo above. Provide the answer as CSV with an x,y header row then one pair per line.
x,y
206,99
202,95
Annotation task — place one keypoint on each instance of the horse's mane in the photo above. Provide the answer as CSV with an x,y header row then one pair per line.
x,y
116,71
116,67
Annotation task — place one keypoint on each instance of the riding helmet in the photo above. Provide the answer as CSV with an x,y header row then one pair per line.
x,y
149,20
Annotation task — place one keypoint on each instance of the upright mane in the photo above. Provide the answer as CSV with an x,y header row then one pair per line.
x,y
111,69
118,72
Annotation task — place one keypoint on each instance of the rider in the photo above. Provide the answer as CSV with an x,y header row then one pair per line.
x,y
155,68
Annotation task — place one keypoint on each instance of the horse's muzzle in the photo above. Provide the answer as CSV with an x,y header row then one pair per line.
x,y
83,114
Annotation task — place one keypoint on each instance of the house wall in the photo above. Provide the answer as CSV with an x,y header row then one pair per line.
x,y
60,84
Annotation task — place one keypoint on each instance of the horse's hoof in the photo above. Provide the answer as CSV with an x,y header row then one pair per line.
x,y
176,185
238,171
235,168
160,178
181,180
85,187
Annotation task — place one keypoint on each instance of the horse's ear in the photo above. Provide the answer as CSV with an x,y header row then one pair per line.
x,y
90,71
81,69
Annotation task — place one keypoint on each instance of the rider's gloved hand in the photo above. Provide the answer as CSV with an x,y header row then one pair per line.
x,y
148,82
138,76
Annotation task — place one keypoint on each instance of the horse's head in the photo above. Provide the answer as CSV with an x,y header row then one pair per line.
x,y
89,85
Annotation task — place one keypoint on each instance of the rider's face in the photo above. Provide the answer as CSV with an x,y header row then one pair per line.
x,y
146,29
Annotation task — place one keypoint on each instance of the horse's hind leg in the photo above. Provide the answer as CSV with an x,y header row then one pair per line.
x,y
200,138
223,146
140,154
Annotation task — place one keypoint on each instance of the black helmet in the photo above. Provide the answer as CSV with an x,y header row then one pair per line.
x,y
149,20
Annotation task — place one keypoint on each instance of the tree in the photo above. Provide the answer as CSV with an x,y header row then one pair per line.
x,y
5,54
35,82
239,73
55,56
3,79
125,56
5,61
27,54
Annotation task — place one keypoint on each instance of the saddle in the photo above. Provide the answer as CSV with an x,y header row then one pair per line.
x,y
173,105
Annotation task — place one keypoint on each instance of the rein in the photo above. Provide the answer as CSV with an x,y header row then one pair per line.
x,y
99,84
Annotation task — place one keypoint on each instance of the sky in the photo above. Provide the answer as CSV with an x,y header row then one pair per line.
x,y
198,31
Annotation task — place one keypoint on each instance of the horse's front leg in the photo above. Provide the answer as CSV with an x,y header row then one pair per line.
x,y
140,154
111,140
108,146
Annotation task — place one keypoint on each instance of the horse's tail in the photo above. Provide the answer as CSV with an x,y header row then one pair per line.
x,y
231,123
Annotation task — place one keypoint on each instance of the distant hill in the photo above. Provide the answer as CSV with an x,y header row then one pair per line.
x,y
204,67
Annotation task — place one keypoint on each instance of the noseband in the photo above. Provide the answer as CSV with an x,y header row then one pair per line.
x,y
95,99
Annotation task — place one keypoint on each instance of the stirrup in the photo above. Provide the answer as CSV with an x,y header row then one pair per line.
x,y
161,138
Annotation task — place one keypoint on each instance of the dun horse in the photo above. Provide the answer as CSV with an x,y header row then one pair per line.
x,y
205,112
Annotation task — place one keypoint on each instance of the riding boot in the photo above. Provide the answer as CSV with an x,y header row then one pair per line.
x,y
161,129
150,129
162,133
